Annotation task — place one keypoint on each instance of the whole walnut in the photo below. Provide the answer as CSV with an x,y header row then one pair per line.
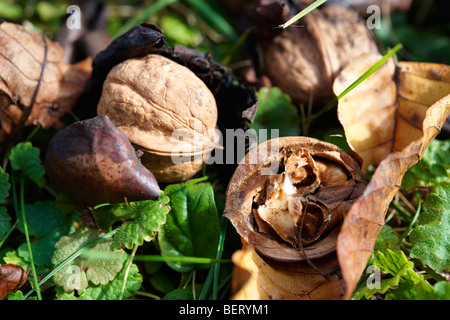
x,y
304,60
165,110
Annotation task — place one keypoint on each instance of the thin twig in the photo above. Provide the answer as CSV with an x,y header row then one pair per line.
x,y
304,252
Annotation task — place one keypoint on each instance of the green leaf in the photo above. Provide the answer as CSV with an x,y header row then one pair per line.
x,y
4,186
440,291
110,291
396,264
400,271
146,217
25,157
18,295
433,168
430,239
192,227
276,111
100,266
184,293
13,257
47,224
5,222
177,31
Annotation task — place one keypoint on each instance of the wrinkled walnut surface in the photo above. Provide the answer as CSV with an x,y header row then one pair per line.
x,y
304,61
148,99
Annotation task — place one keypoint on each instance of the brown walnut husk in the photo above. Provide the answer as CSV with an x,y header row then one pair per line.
x,y
164,109
324,181
92,162
36,85
303,61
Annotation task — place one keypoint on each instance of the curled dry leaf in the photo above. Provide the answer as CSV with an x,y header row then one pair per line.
x,y
389,120
256,277
165,110
304,61
36,86
12,277
92,162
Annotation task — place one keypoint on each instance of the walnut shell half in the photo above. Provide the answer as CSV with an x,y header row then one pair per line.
x,y
165,110
289,196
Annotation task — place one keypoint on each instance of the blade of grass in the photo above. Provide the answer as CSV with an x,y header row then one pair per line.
x,y
302,13
224,225
74,255
183,259
9,232
27,236
214,18
367,74
213,272
143,16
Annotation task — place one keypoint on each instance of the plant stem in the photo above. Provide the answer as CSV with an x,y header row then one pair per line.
x,y
27,236
411,224
133,253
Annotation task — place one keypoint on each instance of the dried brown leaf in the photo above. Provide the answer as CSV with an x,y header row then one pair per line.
x,y
258,278
12,277
389,121
36,86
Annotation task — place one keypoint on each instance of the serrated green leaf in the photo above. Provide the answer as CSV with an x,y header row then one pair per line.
x,y
431,245
110,291
400,271
146,217
276,111
12,257
98,268
192,227
25,157
430,238
396,264
433,168
440,291
18,295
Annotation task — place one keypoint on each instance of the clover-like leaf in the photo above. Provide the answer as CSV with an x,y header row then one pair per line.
x,y
276,111
99,266
146,219
432,169
45,234
24,156
430,239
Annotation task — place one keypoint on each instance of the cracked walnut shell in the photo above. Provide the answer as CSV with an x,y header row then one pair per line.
x,y
165,110
293,211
